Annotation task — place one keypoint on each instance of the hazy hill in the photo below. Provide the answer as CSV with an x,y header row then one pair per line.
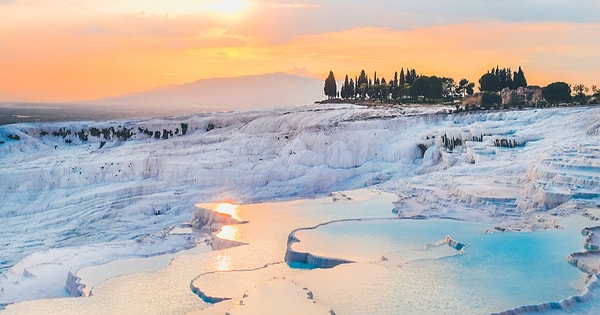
x,y
259,91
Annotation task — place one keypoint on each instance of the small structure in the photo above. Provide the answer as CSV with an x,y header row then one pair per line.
x,y
471,101
530,96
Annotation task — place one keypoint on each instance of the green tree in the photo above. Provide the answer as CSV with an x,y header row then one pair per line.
x,y
557,92
435,88
361,90
345,91
429,87
411,76
519,79
580,89
465,87
489,99
449,88
402,80
504,77
370,88
580,92
330,88
384,90
489,82
362,78
403,91
362,84
418,88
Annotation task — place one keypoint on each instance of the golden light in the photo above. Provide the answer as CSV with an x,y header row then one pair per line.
x,y
229,232
228,208
227,8
223,262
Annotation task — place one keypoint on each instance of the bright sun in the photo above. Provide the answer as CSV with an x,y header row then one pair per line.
x,y
219,8
227,7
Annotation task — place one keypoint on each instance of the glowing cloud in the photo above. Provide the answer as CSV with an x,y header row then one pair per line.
x,y
227,7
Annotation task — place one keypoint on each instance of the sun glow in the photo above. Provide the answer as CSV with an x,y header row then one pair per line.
x,y
229,232
223,262
227,7
228,208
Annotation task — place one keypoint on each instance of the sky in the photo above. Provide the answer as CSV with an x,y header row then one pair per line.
x,y
58,50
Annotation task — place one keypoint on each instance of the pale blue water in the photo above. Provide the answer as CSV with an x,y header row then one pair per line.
x,y
497,271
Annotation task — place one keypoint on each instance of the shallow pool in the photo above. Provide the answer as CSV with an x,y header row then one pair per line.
x,y
416,273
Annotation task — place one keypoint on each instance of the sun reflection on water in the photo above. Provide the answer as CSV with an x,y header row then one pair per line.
x,y
228,208
230,232
223,262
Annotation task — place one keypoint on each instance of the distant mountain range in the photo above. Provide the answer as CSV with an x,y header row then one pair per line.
x,y
222,94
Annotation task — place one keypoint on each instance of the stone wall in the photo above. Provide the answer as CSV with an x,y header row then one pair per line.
x,y
472,100
522,96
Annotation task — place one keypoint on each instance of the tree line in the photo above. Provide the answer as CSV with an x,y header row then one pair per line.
x,y
410,86
497,79
406,84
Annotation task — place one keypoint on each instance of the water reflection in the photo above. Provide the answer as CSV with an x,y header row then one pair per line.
x,y
230,232
228,208
223,261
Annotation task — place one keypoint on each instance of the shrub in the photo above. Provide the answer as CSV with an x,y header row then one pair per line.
x,y
95,132
489,99
184,128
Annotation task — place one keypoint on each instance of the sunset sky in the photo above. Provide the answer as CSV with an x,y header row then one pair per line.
x,y
57,50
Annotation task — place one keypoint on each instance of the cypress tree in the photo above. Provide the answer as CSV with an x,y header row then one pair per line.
x,y
362,78
411,76
330,87
402,80
362,84
383,89
345,91
519,79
